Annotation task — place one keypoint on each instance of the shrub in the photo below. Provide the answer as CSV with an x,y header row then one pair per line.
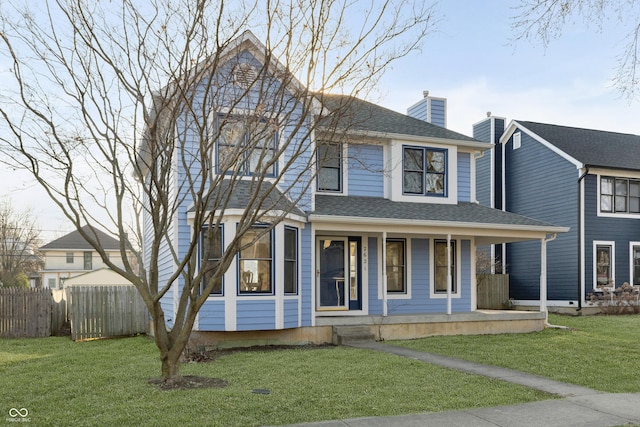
x,y
621,300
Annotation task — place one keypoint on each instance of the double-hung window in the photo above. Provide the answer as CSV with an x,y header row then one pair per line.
x,y
88,260
69,257
619,195
290,260
603,265
210,255
329,163
246,147
396,266
424,171
255,261
440,265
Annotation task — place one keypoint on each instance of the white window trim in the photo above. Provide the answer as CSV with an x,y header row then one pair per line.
x,y
613,174
631,245
407,270
432,271
594,261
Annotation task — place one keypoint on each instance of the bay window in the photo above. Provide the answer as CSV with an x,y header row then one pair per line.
x,y
210,254
255,261
290,260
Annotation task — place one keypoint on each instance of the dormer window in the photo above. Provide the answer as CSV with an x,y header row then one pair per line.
x,y
246,146
424,171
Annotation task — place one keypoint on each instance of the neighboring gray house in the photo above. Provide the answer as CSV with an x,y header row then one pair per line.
x,y
588,180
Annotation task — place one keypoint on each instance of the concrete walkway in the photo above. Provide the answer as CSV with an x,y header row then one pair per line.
x,y
580,406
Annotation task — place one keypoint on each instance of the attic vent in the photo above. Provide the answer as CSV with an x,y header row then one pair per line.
x,y
517,142
244,75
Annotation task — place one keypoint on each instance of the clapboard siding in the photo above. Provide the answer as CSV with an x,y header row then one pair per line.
x,y
464,177
375,304
307,282
291,313
540,184
482,132
256,315
419,110
438,112
366,166
211,316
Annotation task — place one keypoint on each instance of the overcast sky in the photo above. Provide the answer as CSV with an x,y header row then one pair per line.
x,y
472,61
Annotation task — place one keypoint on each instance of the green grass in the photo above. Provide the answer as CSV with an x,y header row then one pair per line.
x,y
600,352
105,383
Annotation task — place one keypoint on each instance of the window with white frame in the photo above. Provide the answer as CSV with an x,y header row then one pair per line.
x,y
255,261
619,195
210,255
396,266
88,260
290,260
246,146
329,161
69,257
424,171
635,263
604,265
441,260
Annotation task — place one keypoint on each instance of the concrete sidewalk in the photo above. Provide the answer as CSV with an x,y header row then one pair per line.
x,y
580,406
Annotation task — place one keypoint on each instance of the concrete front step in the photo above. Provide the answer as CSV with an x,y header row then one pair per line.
x,y
343,335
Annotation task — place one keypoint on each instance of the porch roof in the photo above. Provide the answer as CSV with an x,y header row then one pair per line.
x,y
464,218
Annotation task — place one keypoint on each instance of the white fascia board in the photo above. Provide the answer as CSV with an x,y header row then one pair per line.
x,y
513,125
230,213
470,228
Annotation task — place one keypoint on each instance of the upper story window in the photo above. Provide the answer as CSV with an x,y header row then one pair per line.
x,y
248,147
424,171
619,195
255,262
329,161
69,257
88,261
210,254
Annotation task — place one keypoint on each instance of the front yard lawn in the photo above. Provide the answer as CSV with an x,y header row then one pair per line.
x,y
600,352
104,382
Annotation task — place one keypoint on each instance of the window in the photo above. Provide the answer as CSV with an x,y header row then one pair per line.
x,y
246,147
635,263
424,171
619,195
69,257
396,261
329,161
255,261
517,140
88,263
210,254
440,264
290,260
51,283
603,265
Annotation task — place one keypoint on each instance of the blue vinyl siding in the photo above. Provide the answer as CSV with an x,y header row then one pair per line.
x,y
291,313
540,184
307,285
366,167
375,304
438,112
419,110
256,315
619,230
464,177
482,132
211,317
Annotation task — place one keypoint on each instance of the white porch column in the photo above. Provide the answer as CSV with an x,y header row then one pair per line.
x,y
543,273
384,273
449,274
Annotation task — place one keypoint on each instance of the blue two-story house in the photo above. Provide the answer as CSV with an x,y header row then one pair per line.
x,y
382,235
588,180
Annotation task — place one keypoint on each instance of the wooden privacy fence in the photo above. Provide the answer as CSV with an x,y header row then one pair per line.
x,y
25,312
493,291
106,311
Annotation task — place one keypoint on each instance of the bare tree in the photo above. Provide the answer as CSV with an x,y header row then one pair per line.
x,y
19,242
113,98
546,19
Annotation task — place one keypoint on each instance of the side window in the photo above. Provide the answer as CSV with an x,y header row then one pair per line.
x,y
440,265
255,262
69,257
246,147
329,161
290,260
210,254
424,171
396,266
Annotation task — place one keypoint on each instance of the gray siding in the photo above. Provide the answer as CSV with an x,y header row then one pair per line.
x,y
482,132
419,110
542,185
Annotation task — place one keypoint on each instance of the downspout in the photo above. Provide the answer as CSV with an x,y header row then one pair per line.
x,y
543,281
586,171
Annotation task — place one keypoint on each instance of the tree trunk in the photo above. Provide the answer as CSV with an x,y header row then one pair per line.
x,y
170,365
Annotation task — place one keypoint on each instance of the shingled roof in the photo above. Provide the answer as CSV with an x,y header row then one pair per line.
x,y
591,147
358,115
75,241
381,208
